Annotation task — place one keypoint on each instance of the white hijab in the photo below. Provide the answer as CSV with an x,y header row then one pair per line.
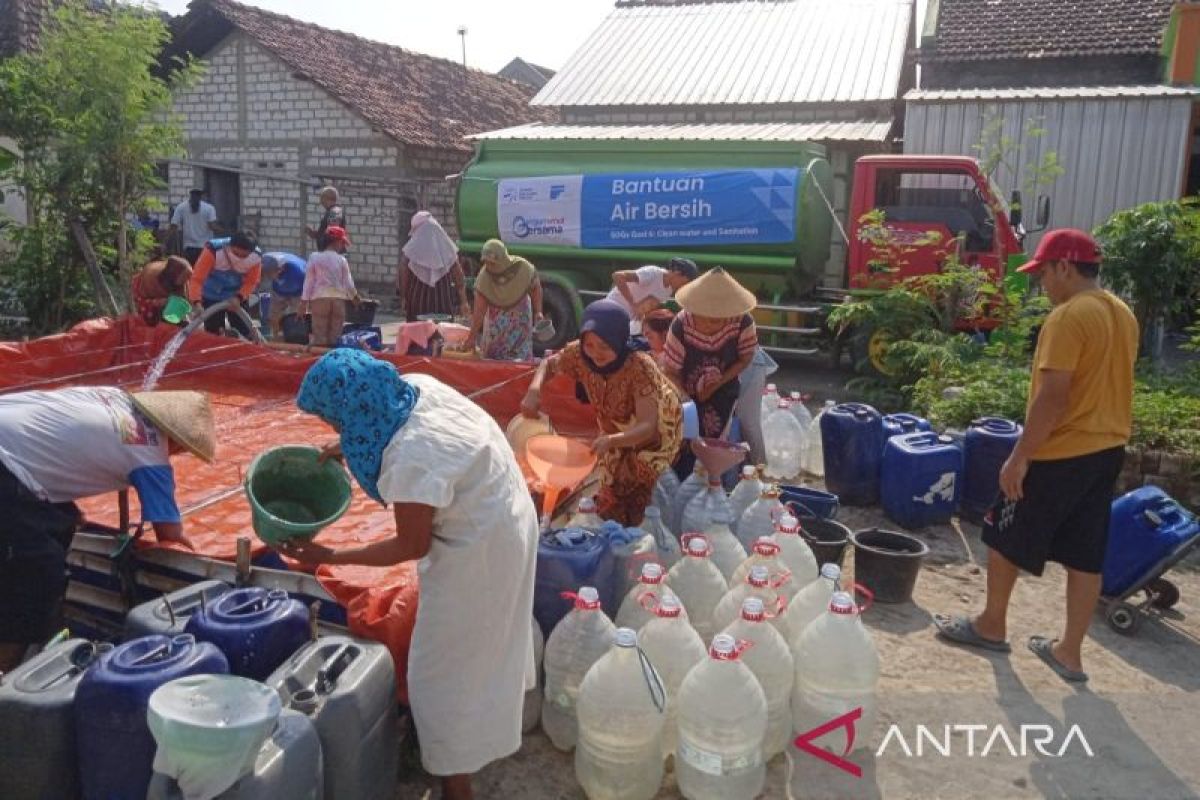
x,y
431,253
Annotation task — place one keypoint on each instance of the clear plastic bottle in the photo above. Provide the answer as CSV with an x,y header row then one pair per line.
x,y
638,606
698,583
837,671
770,400
727,552
765,552
800,411
621,709
577,641
758,585
673,647
814,456
696,483
784,439
760,518
666,546
631,548
722,724
533,698
705,507
794,552
769,658
663,495
748,489
585,516
809,603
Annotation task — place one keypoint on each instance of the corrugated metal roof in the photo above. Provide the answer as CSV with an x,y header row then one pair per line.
x,y
1117,149
1049,93
874,130
745,53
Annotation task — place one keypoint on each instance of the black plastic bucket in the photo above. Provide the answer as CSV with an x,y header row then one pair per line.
x,y
887,563
828,539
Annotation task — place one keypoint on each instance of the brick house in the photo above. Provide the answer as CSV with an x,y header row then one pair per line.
x,y
285,107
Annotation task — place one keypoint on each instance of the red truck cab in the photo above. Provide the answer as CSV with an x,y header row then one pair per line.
x,y
948,195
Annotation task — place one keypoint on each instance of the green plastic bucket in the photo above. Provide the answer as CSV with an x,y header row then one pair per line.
x,y
292,496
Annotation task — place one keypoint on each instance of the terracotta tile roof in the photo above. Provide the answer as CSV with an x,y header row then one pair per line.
x,y
417,99
980,30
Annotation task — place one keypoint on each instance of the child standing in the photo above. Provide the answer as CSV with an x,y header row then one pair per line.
x,y
327,286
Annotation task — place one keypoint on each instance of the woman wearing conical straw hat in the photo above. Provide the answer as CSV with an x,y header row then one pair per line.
x,y
710,344
60,446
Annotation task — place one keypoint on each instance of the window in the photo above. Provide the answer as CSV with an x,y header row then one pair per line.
x,y
937,198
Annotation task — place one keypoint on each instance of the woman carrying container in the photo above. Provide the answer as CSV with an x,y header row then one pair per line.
x,y
157,283
710,344
462,507
431,279
508,302
639,413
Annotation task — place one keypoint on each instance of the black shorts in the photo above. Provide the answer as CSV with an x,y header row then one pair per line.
x,y
1063,515
34,537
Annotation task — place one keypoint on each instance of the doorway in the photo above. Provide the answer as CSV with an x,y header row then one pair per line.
x,y
223,189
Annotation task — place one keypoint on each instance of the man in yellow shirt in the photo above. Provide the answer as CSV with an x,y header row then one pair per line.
x,y
1057,486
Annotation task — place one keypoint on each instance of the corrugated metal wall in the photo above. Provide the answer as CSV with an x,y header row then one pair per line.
x,y
1117,151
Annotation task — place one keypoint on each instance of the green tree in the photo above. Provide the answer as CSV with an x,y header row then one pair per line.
x,y
90,115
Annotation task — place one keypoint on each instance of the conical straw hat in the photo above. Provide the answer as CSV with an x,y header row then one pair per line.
x,y
185,417
716,294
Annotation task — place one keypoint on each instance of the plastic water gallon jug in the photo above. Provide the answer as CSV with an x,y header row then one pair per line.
x,y
621,708
705,507
749,488
987,444
585,515
770,659
852,443
256,629
837,671
809,603
577,642
727,552
116,750
638,606
785,442
666,546
37,722
169,614
897,424
695,483
698,584
673,647
770,400
531,713
760,517
722,724
209,729
1146,526
814,455
922,474
766,553
663,496
631,548
757,585
795,553
347,687
567,559
800,411
288,765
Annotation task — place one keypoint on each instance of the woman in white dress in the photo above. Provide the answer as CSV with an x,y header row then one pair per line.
x,y
462,507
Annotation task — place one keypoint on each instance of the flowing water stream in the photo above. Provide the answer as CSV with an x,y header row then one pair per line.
x,y
155,372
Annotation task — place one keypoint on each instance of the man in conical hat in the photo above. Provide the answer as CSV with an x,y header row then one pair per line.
x,y
60,446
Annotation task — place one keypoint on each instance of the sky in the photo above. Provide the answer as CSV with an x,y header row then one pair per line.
x,y
544,32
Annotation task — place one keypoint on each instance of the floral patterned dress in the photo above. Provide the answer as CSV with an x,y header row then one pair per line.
x,y
508,332
628,475
701,358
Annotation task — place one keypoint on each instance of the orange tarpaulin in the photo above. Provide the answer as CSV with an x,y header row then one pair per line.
x,y
253,394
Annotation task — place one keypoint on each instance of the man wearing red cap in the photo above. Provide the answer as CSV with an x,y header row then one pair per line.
x,y
1057,486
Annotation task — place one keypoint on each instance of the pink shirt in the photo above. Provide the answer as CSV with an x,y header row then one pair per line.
x,y
327,275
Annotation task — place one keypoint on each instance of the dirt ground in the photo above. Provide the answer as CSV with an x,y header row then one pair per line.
x,y
1137,713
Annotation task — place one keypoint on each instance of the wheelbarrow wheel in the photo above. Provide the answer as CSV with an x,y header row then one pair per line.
x,y
1165,593
1124,619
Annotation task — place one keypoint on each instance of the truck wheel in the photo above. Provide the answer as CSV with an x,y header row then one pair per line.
x,y
868,346
557,305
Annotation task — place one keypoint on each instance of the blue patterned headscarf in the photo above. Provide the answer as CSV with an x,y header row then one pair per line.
x,y
366,399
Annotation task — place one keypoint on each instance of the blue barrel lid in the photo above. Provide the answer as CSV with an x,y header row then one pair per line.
x,y
995,425
151,653
247,605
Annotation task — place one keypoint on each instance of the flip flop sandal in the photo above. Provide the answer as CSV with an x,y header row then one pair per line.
x,y
1041,647
959,630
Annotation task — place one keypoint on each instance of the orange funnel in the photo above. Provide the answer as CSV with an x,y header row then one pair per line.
x,y
719,456
560,463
